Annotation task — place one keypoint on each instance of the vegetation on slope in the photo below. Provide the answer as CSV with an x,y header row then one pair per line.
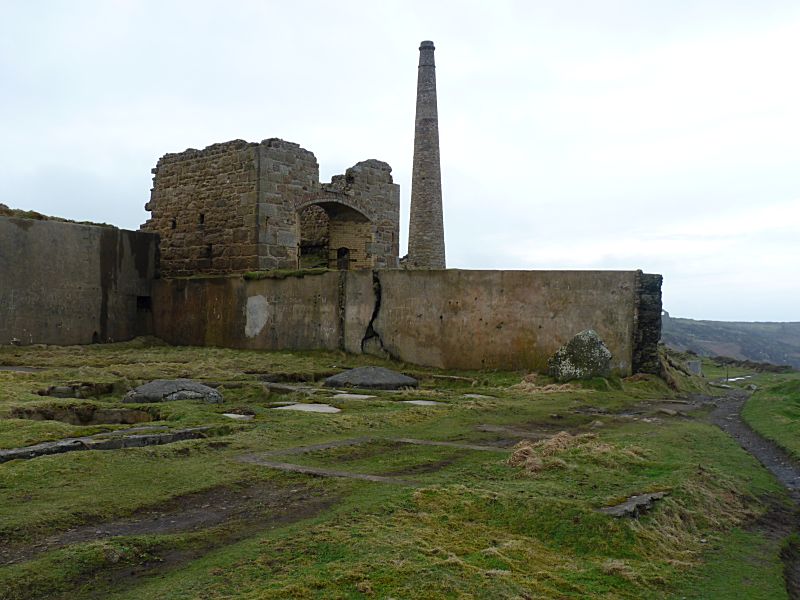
x,y
777,343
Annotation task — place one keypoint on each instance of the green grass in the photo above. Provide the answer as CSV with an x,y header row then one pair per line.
x,y
284,273
774,411
474,526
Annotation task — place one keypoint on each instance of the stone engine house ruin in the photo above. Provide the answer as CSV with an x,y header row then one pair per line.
x,y
238,206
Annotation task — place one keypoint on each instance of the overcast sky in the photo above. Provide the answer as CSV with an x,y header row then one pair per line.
x,y
598,134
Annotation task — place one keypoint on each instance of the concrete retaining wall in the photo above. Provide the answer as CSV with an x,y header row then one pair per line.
x,y
449,319
66,283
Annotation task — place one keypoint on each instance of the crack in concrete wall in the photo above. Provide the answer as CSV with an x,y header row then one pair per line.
x,y
372,343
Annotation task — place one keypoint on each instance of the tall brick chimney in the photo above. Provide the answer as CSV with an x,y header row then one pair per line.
x,y
426,228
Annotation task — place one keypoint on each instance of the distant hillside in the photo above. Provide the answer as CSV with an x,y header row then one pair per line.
x,y
777,343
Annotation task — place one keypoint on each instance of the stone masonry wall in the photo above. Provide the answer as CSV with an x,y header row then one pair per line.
x,y
203,206
648,323
236,207
287,174
426,225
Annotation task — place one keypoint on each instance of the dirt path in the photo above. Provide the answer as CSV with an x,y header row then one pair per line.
x,y
779,523
254,507
727,416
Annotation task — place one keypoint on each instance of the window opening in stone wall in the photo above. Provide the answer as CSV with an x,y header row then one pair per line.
x,y
174,223
343,259
202,218
144,304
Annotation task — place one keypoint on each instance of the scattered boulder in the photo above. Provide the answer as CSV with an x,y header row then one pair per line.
x,y
373,378
167,390
695,367
633,506
584,356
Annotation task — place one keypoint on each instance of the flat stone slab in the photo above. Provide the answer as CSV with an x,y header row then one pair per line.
x,y
374,378
422,402
102,442
353,397
169,390
238,417
316,408
633,506
17,369
478,397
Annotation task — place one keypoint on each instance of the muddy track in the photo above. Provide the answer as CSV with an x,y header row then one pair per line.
x,y
241,510
727,416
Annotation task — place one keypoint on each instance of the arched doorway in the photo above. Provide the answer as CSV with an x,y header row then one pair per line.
x,y
343,259
335,236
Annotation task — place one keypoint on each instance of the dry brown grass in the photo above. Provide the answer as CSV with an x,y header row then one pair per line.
x,y
529,385
534,457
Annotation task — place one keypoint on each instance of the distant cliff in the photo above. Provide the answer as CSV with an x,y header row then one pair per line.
x,y
777,343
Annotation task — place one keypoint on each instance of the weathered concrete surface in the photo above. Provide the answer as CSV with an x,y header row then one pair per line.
x,y
67,283
446,319
503,319
295,313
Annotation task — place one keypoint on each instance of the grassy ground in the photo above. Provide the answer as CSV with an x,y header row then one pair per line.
x,y
471,526
774,410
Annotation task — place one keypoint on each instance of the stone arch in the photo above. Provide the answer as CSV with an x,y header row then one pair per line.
x,y
331,230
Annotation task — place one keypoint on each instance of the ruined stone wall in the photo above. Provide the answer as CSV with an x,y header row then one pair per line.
x,y
368,187
447,319
203,206
67,283
648,323
287,173
236,207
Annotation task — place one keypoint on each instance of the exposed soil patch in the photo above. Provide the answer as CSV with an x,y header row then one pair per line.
x,y
253,507
657,408
85,414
